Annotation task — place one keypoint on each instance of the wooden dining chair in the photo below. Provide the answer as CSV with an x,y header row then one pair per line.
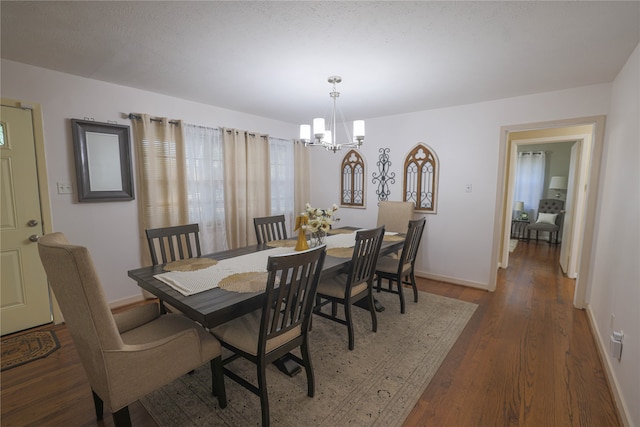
x,y
282,324
354,286
167,244
270,228
130,354
173,243
401,270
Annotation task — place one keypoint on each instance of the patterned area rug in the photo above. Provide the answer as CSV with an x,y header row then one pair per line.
x,y
377,383
25,348
512,244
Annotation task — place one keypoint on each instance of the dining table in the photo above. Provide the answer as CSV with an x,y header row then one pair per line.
x,y
214,306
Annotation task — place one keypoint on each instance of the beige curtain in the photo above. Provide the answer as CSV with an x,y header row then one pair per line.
x,y
247,184
302,186
161,177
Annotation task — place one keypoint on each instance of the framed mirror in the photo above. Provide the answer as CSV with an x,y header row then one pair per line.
x,y
103,161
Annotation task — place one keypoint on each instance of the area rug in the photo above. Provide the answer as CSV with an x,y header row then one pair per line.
x,y
21,349
512,244
376,384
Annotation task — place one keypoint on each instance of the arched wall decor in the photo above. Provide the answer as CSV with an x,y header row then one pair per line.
x,y
384,178
352,173
421,167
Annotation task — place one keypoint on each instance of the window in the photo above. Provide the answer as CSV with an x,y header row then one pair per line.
x,y
282,188
352,180
421,178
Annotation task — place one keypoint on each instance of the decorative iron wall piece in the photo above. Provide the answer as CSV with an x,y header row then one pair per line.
x,y
352,180
384,178
421,178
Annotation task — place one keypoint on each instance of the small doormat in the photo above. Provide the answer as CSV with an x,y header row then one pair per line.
x,y
21,349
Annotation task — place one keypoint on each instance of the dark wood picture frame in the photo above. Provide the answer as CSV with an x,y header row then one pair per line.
x,y
102,153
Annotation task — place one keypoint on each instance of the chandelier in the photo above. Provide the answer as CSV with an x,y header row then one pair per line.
x,y
327,138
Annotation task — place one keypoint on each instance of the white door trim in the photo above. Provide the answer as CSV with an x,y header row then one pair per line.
x,y
503,208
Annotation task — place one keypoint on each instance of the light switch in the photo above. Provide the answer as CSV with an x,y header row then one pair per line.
x,y
467,188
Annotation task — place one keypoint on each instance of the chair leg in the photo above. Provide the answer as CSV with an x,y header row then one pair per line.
x,y
217,381
401,293
372,310
308,368
264,398
347,316
379,284
121,418
412,277
99,405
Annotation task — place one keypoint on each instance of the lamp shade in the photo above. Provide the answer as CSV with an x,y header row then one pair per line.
x,y
519,206
558,183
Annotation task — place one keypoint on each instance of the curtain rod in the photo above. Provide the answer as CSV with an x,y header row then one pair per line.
x,y
137,117
248,133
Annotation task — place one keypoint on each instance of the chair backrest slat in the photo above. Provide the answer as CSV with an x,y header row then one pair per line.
x,y
365,256
291,288
270,228
173,243
412,241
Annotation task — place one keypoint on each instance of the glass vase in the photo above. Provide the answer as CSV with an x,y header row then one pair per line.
x,y
317,238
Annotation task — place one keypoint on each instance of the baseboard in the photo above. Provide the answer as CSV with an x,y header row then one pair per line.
x,y
623,410
452,280
126,301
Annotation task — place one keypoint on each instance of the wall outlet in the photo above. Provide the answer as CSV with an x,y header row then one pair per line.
x,y
468,188
64,188
616,344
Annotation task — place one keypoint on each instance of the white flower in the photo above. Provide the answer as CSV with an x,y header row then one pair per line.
x,y
319,219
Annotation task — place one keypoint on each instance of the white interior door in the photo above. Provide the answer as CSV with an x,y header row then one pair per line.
x,y
24,297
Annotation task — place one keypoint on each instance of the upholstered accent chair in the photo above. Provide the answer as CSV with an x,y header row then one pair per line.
x,y
281,325
270,228
550,217
401,270
130,354
395,216
355,286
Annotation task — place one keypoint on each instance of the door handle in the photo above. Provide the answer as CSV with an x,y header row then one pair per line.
x,y
34,237
32,223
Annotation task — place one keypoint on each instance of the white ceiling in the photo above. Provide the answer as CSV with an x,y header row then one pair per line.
x,y
272,59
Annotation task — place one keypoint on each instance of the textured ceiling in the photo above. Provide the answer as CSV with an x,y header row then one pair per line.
x,y
273,58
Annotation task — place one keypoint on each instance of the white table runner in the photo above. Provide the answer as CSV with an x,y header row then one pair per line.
x,y
193,282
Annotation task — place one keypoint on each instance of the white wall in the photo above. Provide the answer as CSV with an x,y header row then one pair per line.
x,y
457,241
110,229
614,289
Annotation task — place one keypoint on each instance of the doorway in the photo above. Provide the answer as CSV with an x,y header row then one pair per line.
x,y
25,216
589,130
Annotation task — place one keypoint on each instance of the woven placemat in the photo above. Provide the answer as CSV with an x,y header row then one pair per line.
x,y
191,264
340,252
340,231
282,244
253,281
392,238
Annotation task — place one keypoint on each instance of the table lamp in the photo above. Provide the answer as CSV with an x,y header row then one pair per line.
x,y
519,207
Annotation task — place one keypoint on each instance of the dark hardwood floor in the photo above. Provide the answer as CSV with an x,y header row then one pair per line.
x,y
527,358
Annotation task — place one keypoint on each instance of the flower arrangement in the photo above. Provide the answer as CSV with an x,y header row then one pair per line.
x,y
320,220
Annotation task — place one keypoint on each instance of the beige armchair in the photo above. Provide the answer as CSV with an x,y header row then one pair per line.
x,y
128,355
395,216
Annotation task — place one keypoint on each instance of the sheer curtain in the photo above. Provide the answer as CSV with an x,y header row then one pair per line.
x,y
161,183
247,184
529,184
282,180
205,185
302,185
